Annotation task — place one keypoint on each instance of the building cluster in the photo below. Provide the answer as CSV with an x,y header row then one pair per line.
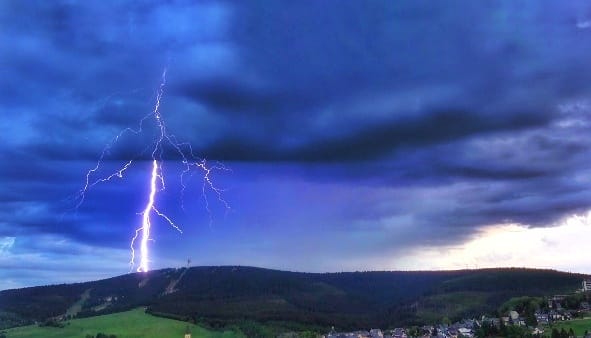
x,y
373,333
468,327
463,329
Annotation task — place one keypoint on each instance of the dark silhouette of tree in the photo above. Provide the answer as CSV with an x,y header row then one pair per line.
x,y
563,333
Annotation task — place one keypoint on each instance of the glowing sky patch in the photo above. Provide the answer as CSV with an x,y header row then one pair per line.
x,y
513,245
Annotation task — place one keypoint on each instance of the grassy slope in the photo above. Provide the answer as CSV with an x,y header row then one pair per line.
x,y
130,324
578,325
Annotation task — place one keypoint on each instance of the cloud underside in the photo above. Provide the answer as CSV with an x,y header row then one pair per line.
x,y
381,124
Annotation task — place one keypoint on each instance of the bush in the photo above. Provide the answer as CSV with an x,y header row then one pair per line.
x,y
52,323
101,335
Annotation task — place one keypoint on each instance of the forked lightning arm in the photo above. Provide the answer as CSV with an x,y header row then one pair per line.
x,y
190,162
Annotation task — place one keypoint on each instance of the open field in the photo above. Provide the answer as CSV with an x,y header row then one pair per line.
x,y
578,325
130,324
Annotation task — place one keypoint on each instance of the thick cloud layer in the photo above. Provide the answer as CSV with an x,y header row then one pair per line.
x,y
356,130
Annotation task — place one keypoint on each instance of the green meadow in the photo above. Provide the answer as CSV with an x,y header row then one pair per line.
x,y
578,325
130,324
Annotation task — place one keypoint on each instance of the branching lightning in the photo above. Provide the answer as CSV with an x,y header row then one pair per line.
x,y
190,162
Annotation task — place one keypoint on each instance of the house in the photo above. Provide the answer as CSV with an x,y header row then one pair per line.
x,y
514,315
376,333
505,320
558,298
496,322
399,333
555,316
356,334
470,323
332,332
542,318
188,332
453,332
586,285
361,334
465,332
337,335
427,329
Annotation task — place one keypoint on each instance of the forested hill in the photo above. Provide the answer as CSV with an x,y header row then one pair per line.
x,y
222,295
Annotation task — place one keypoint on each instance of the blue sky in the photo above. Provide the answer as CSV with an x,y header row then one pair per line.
x,y
360,135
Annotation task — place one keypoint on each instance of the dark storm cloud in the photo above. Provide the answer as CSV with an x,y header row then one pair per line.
x,y
377,141
287,78
308,97
399,122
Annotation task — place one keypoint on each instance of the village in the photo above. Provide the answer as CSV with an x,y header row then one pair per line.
x,y
511,323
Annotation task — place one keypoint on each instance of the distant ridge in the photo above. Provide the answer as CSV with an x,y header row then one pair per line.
x,y
220,295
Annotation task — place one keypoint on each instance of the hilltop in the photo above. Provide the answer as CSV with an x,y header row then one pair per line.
x,y
228,295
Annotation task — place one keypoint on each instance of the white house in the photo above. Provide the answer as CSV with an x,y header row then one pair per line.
x,y
514,315
376,333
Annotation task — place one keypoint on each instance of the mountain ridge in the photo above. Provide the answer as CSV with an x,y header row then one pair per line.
x,y
218,295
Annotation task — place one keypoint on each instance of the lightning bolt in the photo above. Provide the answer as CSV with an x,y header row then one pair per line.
x,y
190,162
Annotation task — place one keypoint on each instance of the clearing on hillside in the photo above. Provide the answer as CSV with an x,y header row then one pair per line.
x,y
131,324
